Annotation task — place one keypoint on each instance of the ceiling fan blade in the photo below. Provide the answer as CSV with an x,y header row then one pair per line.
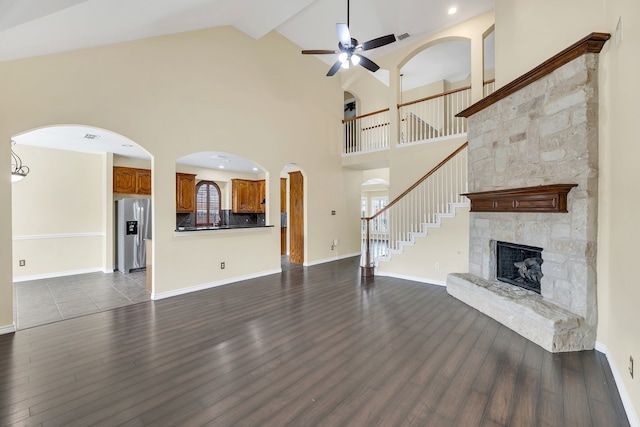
x,y
334,69
344,36
319,52
367,63
380,41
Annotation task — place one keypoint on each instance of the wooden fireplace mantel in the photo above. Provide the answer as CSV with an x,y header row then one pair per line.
x,y
543,198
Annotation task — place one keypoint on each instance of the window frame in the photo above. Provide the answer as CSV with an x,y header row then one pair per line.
x,y
208,210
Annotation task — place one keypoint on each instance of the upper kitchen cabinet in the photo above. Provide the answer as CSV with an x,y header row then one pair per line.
x,y
131,180
261,193
185,193
247,196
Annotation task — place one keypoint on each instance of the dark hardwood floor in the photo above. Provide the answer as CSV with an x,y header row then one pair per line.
x,y
311,346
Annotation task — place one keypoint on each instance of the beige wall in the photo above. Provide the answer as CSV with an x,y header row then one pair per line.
x,y
58,213
530,32
198,88
443,250
430,89
520,45
619,174
371,93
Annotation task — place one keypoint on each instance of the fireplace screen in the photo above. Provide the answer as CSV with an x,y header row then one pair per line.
x,y
519,265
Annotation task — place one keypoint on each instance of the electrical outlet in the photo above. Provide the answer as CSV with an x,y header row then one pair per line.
x,y
22,263
222,265
631,366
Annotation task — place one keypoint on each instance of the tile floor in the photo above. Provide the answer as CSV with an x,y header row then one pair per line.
x,y
50,300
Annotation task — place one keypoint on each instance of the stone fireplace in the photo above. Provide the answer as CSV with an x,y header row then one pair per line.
x,y
520,265
533,181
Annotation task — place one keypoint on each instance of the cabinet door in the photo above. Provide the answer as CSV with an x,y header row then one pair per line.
x,y
185,193
242,196
261,195
143,181
124,180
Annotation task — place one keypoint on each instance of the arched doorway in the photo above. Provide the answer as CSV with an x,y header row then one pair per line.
x,y
64,223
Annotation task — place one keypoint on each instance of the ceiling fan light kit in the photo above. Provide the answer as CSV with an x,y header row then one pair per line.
x,y
347,46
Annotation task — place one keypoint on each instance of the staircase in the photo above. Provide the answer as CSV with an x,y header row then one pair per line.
x,y
424,205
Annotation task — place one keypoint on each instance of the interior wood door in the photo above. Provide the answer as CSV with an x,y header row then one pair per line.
x,y
296,217
283,209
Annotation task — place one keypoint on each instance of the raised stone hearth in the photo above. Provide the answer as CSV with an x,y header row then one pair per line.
x,y
539,133
551,327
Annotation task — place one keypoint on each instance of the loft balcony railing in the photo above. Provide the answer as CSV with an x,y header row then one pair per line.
x,y
431,197
366,133
434,116
488,87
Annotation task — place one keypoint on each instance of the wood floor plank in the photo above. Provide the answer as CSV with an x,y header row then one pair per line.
x,y
310,346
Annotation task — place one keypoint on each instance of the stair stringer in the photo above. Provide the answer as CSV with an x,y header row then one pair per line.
x,y
446,249
425,226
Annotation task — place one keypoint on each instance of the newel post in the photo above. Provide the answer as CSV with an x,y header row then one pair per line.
x,y
367,269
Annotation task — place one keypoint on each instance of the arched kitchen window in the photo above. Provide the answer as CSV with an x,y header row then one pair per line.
x,y
207,203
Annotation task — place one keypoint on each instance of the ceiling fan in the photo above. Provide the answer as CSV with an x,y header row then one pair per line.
x,y
348,46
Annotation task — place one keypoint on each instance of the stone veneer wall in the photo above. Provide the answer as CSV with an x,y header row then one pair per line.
x,y
545,133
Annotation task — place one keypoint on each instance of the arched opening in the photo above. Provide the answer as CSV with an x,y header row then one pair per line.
x,y
218,189
435,84
64,221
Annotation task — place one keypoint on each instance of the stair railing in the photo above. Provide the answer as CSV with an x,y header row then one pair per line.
x,y
408,214
488,87
434,116
365,133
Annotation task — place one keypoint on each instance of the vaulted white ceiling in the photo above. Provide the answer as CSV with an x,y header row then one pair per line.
x,y
39,27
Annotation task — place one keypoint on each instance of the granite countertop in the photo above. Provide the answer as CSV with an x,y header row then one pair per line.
x,y
221,227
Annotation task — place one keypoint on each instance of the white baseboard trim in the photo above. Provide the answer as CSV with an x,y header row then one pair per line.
x,y
9,329
59,274
182,291
412,278
325,260
624,396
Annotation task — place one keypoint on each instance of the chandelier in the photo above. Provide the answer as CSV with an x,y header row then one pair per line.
x,y
18,170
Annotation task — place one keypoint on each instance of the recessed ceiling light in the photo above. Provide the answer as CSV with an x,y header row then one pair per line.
x,y
255,169
91,136
221,167
452,10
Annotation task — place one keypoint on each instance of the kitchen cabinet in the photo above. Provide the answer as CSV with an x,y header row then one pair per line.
x,y
247,195
260,195
185,193
131,180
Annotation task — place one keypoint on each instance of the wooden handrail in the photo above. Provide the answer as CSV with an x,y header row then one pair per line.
x,y
486,82
418,182
434,96
364,115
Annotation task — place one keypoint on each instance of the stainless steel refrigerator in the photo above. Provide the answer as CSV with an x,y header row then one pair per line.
x,y
133,227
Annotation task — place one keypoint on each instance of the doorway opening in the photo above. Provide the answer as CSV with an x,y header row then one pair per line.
x,y
292,217
64,227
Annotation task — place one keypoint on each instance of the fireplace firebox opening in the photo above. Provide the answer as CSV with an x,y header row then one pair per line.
x,y
519,265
